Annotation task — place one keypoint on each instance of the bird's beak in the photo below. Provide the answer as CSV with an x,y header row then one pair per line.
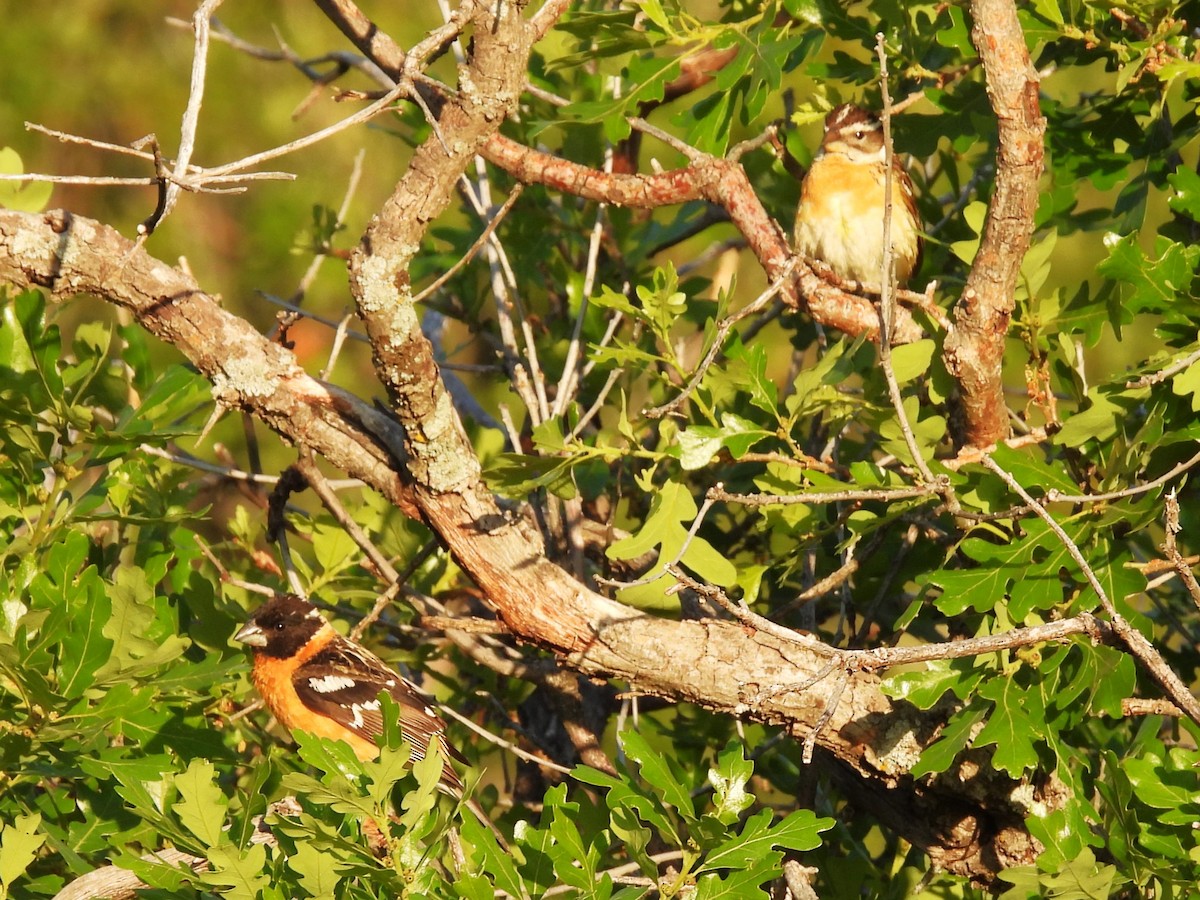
x,y
251,634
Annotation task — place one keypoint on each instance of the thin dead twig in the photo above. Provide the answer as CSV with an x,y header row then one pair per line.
x,y
1138,645
191,116
747,616
887,296
881,658
1140,706
1055,496
718,342
831,704
1180,564
1163,374
486,235
718,492
571,366
671,566
503,744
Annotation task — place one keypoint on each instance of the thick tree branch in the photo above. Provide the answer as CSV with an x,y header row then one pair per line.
x,y
975,346
722,182
720,665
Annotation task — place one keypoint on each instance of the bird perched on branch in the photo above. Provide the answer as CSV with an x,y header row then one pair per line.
x,y
317,681
840,218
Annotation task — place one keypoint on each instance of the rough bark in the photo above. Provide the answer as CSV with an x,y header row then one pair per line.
x,y
968,820
975,346
720,665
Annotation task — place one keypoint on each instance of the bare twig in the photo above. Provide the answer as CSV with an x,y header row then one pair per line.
x,y
718,341
1163,374
657,572
747,616
571,365
717,492
1137,643
186,459
831,704
343,211
799,879
1173,554
191,114
500,742
492,223
820,588
1056,496
1139,706
308,468
887,298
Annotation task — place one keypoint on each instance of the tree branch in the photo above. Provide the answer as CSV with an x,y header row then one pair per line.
x,y
686,661
975,345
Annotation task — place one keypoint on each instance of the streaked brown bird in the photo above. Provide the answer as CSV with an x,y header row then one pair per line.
x,y
840,218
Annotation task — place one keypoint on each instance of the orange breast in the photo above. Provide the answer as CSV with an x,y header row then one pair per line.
x,y
273,678
840,220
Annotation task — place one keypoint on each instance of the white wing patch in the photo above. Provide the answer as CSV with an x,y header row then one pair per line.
x,y
328,684
358,709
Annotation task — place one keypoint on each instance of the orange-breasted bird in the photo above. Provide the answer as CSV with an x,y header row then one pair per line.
x,y
840,218
317,681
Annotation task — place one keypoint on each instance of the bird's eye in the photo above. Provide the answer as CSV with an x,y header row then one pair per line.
x,y
859,134
278,626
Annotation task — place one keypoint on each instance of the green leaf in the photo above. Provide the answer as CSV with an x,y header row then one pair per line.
x,y
240,874
1186,196
19,843
15,352
395,754
979,589
30,196
658,771
1187,383
729,778
700,443
574,863
1159,284
800,830
335,758
627,806
911,360
316,869
85,648
1158,786
520,474
1014,724
338,794
672,505
1032,471
740,883
202,806
492,859
940,755
925,687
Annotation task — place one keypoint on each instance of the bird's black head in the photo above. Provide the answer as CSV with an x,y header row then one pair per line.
x,y
281,626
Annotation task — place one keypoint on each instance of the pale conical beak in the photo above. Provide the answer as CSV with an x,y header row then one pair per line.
x,y
251,634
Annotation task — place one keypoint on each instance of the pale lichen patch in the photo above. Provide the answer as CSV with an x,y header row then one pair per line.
x,y
900,749
246,377
1024,798
27,243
